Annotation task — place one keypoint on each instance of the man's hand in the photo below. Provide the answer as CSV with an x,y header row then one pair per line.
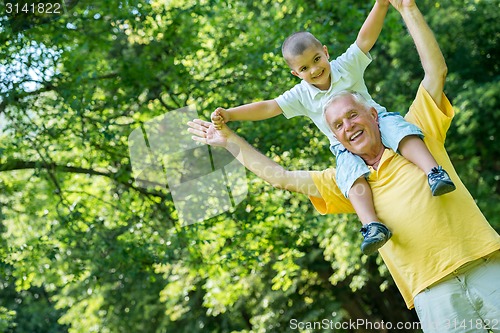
x,y
401,4
219,117
206,133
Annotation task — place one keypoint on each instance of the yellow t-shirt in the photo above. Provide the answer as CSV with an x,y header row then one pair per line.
x,y
432,236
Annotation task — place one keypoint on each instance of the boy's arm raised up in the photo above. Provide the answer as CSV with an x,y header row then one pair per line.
x,y
371,28
253,111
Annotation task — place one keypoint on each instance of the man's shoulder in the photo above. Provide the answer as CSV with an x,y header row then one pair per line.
x,y
433,120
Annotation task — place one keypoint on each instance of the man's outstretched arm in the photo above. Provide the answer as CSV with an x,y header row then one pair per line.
x,y
428,49
253,160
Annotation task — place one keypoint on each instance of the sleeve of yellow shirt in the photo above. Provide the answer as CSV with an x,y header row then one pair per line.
x,y
433,124
332,200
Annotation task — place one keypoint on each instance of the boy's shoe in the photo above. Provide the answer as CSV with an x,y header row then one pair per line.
x,y
440,182
375,235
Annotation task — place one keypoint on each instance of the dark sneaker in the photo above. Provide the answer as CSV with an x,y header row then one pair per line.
x,y
440,182
375,236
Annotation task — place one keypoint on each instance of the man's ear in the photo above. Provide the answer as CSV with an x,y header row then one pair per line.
x,y
374,113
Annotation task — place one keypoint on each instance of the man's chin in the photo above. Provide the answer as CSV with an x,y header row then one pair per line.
x,y
356,147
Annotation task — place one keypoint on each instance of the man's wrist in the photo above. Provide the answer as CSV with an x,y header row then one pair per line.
x,y
233,144
408,9
231,138
410,14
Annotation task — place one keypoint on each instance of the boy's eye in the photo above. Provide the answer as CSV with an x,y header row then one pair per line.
x,y
303,69
317,59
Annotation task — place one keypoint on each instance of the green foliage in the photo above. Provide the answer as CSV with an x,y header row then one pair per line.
x,y
85,249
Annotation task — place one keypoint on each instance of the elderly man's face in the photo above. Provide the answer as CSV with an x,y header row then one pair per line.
x,y
354,125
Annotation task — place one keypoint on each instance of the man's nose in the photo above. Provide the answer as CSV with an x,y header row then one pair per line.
x,y
348,124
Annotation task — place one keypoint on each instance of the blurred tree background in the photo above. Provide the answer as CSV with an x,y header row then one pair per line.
x,y
85,249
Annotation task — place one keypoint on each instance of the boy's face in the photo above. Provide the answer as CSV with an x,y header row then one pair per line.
x,y
312,66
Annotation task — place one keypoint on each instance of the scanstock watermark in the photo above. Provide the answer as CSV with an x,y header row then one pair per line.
x,y
330,324
203,181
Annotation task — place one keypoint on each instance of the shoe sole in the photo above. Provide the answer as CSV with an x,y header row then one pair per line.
x,y
443,189
371,248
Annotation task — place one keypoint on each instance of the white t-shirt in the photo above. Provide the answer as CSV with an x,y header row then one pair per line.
x,y
346,74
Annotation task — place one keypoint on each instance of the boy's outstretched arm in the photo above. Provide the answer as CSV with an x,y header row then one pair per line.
x,y
253,111
258,163
371,28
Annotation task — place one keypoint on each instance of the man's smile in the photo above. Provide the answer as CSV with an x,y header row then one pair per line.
x,y
355,135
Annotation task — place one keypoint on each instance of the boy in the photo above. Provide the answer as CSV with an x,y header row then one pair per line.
x,y
308,59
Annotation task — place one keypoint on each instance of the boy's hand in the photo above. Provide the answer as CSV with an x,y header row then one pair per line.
x,y
219,117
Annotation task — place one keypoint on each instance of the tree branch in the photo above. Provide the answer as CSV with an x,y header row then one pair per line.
x,y
16,164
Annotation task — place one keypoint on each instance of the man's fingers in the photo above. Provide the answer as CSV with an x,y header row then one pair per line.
x,y
198,132
199,135
199,128
202,122
199,124
192,124
198,139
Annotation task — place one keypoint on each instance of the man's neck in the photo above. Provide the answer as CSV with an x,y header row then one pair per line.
x,y
373,160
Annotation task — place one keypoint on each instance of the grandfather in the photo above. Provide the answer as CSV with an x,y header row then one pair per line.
x,y
444,256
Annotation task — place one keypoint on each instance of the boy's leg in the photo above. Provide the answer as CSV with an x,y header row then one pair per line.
x,y
361,199
415,151
350,178
405,138
375,233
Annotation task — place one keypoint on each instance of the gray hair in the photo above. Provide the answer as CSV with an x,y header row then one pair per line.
x,y
357,96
